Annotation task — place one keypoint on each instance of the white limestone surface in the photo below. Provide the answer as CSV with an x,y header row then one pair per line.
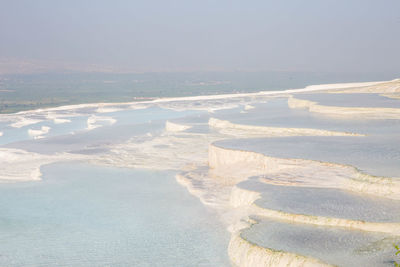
x,y
246,254
301,172
363,112
176,127
227,127
94,121
193,152
39,133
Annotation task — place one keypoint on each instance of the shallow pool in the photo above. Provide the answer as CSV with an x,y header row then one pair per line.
x,y
83,215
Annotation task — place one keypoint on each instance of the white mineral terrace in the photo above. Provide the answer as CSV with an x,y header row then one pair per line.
x,y
228,127
243,253
176,127
239,183
363,106
308,172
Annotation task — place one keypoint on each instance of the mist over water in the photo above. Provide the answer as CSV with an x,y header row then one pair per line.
x,y
32,91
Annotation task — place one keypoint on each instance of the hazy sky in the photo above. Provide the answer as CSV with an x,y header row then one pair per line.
x,y
185,35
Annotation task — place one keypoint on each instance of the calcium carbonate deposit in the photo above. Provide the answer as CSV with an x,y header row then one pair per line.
x,y
306,177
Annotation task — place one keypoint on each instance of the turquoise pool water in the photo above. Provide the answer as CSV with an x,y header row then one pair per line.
x,y
83,215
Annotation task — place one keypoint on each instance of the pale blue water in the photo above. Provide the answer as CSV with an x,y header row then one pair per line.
x,y
377,153
129,117
128,123
374,155
352,100
337,246
276,113
75,88
325,202
11,134
82,215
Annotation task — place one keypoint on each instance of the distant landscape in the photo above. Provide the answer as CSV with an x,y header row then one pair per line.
x,y
20,92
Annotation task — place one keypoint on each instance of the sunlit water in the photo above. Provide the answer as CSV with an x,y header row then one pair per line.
x,y
326,202
276,113
332,245
376,153
78,124
86,215
82,215
372,155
